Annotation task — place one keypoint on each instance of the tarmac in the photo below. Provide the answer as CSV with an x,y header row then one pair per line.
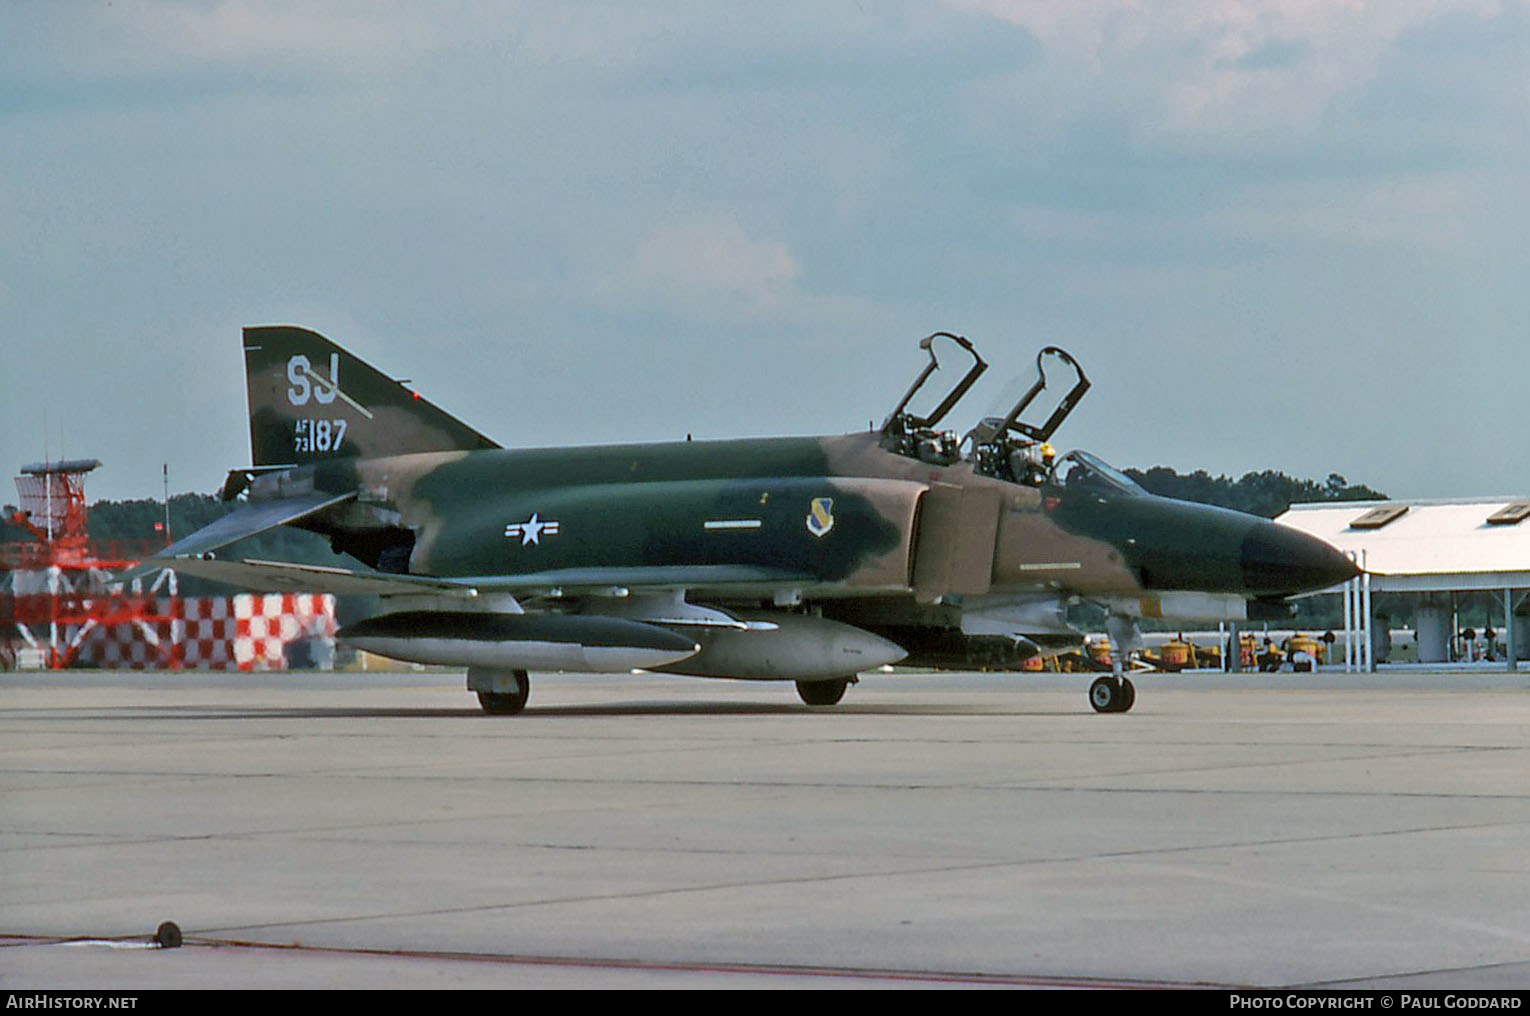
x,y
965,830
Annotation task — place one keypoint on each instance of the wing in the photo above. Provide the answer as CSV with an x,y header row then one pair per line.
x,y
240,524
251,520
281,576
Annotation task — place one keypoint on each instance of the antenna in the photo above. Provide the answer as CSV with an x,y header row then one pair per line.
x,y
168,539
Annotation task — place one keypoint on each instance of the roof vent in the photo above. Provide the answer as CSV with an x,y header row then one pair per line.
x,y
1378,517
1510,515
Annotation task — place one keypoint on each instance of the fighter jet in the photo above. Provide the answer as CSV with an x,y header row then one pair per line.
x,y
812,560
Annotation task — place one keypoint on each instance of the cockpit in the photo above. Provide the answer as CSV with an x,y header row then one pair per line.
x,y
1006,448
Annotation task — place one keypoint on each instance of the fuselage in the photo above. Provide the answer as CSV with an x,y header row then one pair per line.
x,y
841,516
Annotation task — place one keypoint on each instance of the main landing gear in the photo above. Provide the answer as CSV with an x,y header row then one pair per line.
x,y
500,692
823,693
1112,694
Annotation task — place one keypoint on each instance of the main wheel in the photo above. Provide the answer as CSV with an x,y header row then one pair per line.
x,y
506,703
1109,695
822,693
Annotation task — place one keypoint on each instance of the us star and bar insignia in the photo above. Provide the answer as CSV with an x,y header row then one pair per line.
x,y
532,530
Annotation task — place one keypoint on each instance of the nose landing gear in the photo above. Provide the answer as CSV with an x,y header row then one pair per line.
x,y
1112,695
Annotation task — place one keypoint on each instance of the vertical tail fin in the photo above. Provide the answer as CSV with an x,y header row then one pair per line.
x,y
310,399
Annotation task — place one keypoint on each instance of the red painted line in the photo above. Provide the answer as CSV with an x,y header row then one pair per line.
x,y
659,966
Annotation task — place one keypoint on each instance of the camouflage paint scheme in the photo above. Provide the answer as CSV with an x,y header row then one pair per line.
x,y
738,544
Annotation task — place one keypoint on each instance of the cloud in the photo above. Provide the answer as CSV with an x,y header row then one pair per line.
x,y
238,30
704,265
1162,186
1249,72
71,46
1432,214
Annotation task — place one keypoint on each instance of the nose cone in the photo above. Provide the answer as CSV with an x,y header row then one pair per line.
x,y
1281,561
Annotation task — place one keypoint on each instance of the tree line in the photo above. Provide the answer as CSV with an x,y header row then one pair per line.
x,y
1266,493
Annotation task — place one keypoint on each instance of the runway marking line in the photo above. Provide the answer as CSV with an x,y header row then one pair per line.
x,y
648,966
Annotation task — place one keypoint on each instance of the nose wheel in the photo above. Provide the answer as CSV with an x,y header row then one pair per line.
x,y
1112,695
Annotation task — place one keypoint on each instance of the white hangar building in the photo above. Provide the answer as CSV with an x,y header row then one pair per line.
x,y
1436,549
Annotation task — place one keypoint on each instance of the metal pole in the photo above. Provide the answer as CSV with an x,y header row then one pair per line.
x,y
1455,627
1352,624
55,580
1349,632
1346,627
1508,627
1365,617
168,539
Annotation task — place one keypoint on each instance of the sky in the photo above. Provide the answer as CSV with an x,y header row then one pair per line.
x,y
1278,234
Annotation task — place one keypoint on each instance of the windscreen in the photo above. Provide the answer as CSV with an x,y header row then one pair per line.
x,y
1079,470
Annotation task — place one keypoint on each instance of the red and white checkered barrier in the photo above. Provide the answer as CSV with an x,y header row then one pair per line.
x,y
148,644
245,632
264,625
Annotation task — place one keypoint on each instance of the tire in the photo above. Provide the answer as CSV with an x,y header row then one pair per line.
x,y
822,693
510,702
1107,695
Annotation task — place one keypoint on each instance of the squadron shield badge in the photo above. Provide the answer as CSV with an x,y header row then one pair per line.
x,y
820,518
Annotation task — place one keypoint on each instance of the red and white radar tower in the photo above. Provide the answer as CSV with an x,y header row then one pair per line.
x,y
58,589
